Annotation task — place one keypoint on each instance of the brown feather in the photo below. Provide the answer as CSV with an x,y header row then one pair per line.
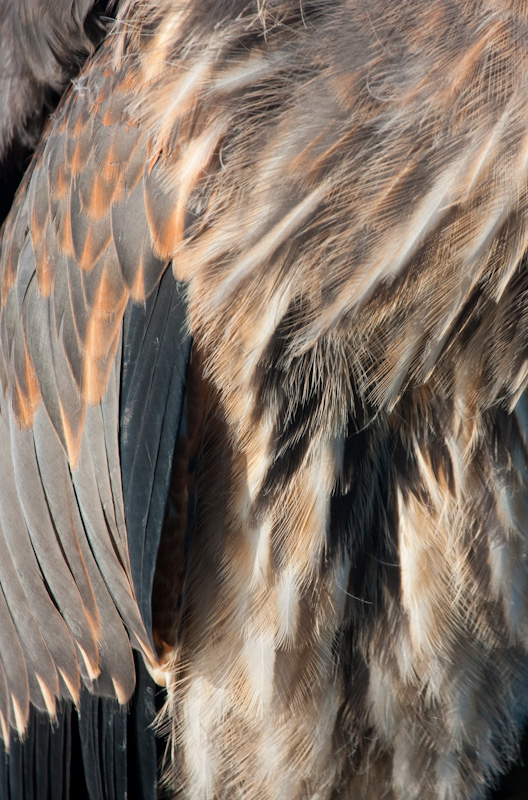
x,y
354,245
343,188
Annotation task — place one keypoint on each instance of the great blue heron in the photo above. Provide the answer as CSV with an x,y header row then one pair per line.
x,y
339,601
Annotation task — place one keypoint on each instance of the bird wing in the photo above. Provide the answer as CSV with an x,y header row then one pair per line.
x,y
91,390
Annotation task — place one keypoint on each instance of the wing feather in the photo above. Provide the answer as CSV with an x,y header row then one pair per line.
x,y
24,586
49,553
152,392
55,478
14,666
67,278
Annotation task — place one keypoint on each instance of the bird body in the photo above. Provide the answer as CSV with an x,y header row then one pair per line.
x,y
342,191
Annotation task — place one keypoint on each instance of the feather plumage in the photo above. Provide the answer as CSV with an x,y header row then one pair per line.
x,y
343,191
